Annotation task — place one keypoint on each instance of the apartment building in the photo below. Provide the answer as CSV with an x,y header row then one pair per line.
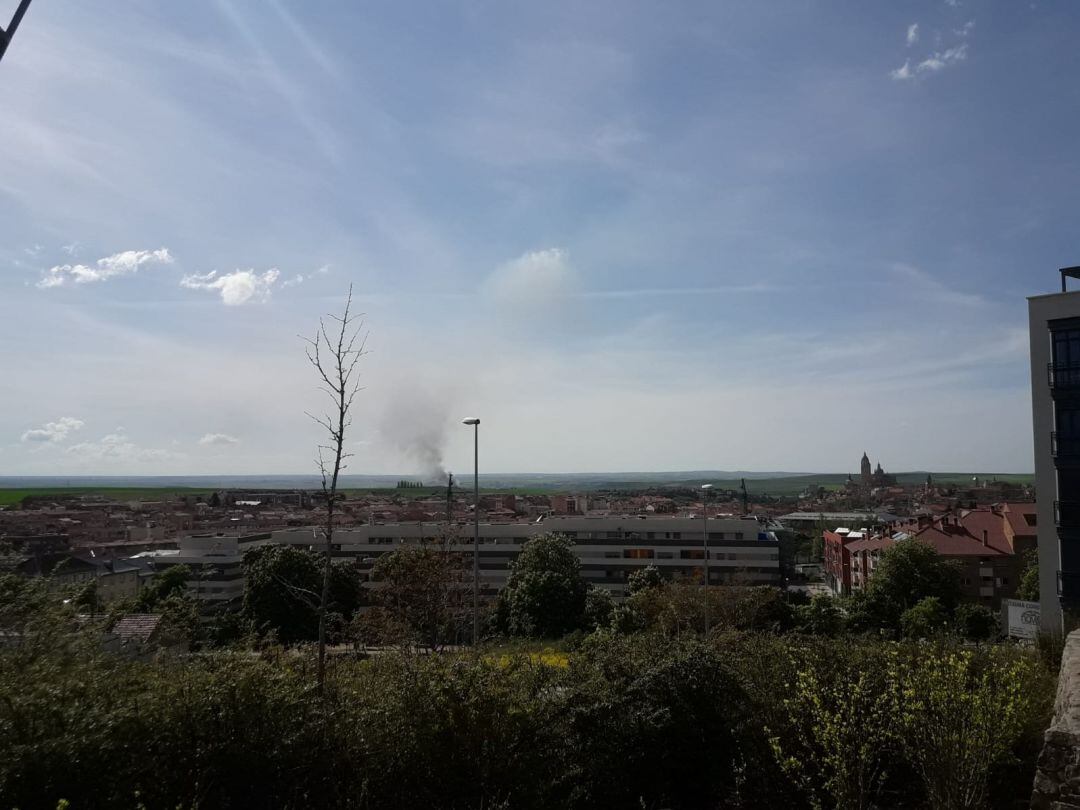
x,y
1054,325
741,550
215,560
988,546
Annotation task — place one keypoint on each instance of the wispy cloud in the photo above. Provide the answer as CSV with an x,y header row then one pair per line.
x,y
936,61
533,279
218,439
125,263
942,59
236,288
117,447
931,290
53,432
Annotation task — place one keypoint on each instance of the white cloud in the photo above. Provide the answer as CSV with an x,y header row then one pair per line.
x,y
903,72
53,432
912,34
942,59
299,278
124,263
934,63
965,29
218,438
117,447
536,278
236,288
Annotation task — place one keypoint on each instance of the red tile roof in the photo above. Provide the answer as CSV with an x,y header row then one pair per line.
x,y
871,544
977,521
1018,515
950,543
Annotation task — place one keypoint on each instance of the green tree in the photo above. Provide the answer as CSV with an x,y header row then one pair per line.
x,y
168,583
599,608
1029,580
822,617
643,578
418,599
976,622
281,592
905,574
840,726
545,595
926,619
961,715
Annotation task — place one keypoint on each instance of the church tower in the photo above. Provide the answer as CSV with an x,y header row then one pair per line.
x,y
865,470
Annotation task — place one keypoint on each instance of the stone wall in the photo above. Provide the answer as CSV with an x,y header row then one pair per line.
x,y
1057,777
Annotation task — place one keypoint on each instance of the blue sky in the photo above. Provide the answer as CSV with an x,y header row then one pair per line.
x,y
628,236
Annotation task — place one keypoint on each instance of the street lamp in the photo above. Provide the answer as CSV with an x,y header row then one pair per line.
x,y
705,544
472,420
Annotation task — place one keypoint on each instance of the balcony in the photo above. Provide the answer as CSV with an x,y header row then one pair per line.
x,y
1063,376
1064,447
1067,514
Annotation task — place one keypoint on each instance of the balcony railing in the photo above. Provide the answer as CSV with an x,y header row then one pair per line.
x,y
1063,376
1064,446
1067,514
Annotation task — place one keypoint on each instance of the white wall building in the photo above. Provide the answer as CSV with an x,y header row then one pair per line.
x,y
741,550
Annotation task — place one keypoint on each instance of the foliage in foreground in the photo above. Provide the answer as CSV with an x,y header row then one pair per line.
x,y
645,720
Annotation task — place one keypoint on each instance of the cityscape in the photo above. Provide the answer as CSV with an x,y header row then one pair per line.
x,y
500,406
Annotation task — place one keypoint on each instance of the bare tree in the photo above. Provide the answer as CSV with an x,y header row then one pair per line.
x,y
334,352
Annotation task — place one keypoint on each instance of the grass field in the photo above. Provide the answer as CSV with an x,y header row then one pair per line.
x,y
781,486
13,496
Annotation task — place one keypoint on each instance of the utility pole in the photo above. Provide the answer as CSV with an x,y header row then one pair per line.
x,y
7,34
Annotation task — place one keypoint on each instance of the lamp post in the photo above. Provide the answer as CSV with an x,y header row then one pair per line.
x,y
472,420
705,545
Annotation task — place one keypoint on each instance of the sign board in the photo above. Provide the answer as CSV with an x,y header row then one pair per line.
x,y
1020,619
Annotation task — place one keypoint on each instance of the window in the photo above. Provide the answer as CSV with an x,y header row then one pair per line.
x,y
692,554
738,535
1066,346
638,553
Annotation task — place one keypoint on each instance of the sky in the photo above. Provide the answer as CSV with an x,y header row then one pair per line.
x,y
625,235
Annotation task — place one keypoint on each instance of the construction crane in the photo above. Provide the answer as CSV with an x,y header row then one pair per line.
x,y
7,33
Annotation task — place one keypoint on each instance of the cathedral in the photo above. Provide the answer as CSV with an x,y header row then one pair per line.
x,y
872,479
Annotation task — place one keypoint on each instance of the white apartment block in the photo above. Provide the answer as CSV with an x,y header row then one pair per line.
x,y
741,550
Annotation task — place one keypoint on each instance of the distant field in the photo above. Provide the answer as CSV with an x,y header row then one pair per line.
x,y
12,496
789,485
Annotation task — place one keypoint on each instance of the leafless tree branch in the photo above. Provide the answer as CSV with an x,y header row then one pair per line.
x,y
334,352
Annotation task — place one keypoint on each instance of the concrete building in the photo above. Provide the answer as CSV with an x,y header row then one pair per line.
x,y
611,548
1054,324
741,550
217,576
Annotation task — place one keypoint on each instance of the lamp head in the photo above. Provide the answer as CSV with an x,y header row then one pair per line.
x,y
472,420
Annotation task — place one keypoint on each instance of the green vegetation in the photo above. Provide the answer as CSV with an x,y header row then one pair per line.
x,y
876,701
9,497
780,486
746,719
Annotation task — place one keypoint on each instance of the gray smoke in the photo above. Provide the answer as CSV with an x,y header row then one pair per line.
x,y
415,424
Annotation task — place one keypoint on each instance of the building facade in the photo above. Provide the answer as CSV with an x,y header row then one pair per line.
x,y
1054,325
741,550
